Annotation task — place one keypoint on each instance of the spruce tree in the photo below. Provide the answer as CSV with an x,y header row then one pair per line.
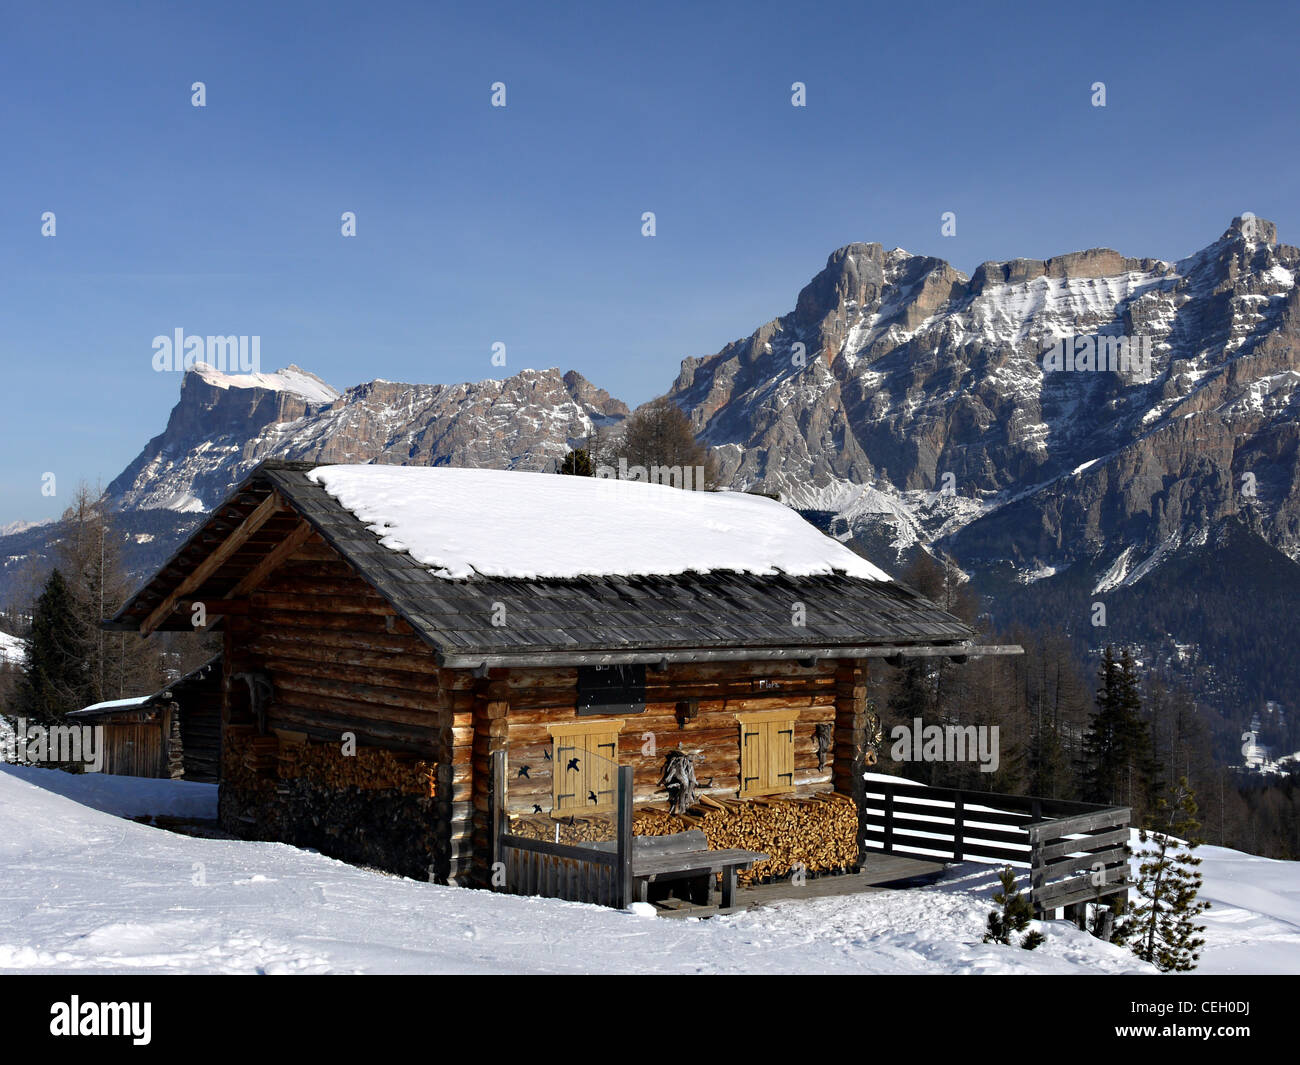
x,y
1161,928
54,679
1100,769
1118,763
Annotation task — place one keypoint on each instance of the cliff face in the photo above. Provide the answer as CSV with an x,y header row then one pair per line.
x,y
900,395
187,466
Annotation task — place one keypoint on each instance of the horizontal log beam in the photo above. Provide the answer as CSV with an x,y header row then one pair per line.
x,y
531,659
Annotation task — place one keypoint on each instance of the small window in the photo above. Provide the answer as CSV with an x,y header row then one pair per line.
x,y
584,767
767,752
611,689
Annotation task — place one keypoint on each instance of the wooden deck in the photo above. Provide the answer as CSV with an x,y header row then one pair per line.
x,y
880,872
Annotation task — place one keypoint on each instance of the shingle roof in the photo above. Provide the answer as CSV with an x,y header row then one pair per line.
x,y
608,618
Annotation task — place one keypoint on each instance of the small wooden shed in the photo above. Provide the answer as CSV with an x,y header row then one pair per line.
x,y
175,732
392,633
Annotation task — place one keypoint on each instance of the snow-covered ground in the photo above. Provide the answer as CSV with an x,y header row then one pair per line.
x,y
120,796
12,649
87,891
1253,924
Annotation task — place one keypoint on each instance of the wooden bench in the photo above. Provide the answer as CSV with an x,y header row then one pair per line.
x,y
684,856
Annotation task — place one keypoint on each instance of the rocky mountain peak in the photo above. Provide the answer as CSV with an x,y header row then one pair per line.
x,y
599,404
224,424
916,377
1253,230
853,274
291,380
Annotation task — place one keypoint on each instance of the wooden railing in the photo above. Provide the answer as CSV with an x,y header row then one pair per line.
x,y
524,866
1076,851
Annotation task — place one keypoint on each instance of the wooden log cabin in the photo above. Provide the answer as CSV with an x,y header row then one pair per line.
x,y
175,732
387,629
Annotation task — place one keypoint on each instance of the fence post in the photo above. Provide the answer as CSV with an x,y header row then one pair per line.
x,y
958,824
496,790
623,896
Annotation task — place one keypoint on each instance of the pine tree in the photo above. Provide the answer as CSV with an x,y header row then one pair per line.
x,y
1118,763
577,463
54,679
1162,927
1014,915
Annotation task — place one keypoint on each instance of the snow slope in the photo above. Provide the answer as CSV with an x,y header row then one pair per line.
x,y
12,649
85,891
1253,924
499,523
124,796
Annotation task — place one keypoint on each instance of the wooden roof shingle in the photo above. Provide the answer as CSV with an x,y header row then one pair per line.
x,y
691,616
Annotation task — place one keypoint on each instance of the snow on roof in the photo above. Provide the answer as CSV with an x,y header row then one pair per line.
x,y
290,379
495,523
112,704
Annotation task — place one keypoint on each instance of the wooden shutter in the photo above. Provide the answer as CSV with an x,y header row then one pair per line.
x,y
585,763
766,752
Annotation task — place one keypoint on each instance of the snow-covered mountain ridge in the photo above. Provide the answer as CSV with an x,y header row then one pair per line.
x,y
902,397
226,424
901,393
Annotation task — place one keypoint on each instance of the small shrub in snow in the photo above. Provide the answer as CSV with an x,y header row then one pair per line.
x,y
1014,917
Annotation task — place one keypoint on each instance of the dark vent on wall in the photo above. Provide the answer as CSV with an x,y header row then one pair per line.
x,y
611,689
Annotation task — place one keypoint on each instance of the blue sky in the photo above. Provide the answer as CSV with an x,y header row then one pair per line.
x,y
523,225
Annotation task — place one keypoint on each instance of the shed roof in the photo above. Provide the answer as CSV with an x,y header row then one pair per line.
x,y
162,695
484,620
111,706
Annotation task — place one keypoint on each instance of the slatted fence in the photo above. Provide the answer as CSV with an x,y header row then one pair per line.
x,y
1076,851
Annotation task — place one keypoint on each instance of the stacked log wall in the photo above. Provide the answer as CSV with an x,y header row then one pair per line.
x,y
853,753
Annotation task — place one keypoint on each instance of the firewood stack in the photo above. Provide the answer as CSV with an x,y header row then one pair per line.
x,y
595,829
371,768
820,831
252,757
260,753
